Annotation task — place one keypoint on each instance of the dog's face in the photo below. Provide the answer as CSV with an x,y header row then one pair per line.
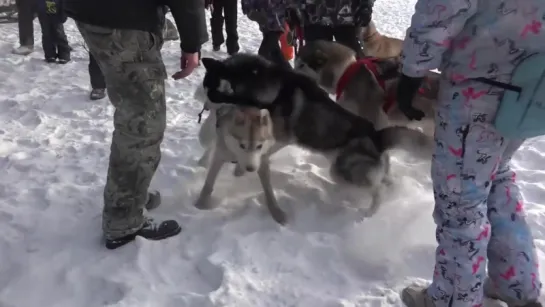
x,y
250,136
322,60
243,75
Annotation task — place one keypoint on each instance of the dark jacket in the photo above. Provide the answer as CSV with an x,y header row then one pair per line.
x,y
145,15
338,12
52,8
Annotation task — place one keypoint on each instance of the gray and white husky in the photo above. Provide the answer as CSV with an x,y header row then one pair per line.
x,y
303,114
366,93
243,135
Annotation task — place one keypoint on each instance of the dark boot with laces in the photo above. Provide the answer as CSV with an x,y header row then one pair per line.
x,y
150,230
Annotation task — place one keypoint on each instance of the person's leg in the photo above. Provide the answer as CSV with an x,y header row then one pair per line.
x,y
347,35
216,24
263,47
25,18
463,166
270,48
135,79
513,264
170,33
98,84
230,11
63,47
48,38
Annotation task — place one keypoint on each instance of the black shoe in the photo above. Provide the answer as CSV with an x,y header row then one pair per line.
x,y
97,93
150,230
216,47
51,60
233,50
64,60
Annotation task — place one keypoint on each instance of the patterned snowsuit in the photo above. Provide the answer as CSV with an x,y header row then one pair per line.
x,y
478,207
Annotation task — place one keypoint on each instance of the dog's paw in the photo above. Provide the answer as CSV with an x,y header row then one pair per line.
x,y
367,213
388,181
278,215
239,171
204,203
203,161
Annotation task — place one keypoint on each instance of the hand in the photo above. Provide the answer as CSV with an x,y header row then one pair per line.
x,y
406,89
189,61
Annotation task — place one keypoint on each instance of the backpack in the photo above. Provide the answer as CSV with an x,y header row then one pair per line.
x,y
521,112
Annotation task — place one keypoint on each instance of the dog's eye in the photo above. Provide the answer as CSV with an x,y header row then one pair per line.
x,y
258,147
242,146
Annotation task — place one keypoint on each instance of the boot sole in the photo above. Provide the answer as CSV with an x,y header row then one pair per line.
x,y
113,244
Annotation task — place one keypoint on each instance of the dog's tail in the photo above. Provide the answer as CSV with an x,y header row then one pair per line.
x,y
411,140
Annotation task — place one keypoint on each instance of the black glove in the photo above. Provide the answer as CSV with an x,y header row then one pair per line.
x,y
406,89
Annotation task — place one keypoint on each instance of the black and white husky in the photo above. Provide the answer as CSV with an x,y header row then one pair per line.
x,y
303,114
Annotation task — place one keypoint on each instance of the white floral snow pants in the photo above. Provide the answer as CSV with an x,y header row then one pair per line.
x,y
478,207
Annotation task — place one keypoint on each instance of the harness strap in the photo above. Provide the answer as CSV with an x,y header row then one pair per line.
x,y
370,65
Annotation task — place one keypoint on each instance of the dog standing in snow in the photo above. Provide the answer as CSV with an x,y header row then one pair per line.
x,y
243,135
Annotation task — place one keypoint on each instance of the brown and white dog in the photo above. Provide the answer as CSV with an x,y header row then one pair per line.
x,y
378,45
366,87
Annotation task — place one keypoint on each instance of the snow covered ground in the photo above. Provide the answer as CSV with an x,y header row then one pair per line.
x,y
54,147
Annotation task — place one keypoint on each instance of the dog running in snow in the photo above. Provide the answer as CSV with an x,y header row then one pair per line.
x,y
303,114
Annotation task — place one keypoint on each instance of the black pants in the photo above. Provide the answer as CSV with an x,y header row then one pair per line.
x,y
346,35
97,78
225,10
270,48
54,40
26,10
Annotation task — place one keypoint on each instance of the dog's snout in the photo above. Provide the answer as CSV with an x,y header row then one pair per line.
x,y
250,168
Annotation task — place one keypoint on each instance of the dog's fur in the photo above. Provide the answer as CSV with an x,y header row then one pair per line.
x,y
303,114
327,61
378,45
243,135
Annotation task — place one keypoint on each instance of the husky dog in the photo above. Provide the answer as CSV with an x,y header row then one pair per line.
x,y
240,134
365,87
378,45
303,114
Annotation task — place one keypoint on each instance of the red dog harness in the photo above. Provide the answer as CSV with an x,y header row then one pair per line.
x,y
370,65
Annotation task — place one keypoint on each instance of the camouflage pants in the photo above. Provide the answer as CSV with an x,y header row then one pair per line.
x,y
135,80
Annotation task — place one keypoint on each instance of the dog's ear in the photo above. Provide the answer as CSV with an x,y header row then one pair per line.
x,y
212,65
264,117
239,117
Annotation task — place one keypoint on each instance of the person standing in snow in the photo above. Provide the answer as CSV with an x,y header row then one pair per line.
x,y
224,10
54,41
337,19
125,38
478,206
270,16
98,84
26,12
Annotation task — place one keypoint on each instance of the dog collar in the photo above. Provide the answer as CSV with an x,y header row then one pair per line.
x,y
369,64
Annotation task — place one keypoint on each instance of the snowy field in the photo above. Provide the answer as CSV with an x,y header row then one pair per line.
x,y
54,147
